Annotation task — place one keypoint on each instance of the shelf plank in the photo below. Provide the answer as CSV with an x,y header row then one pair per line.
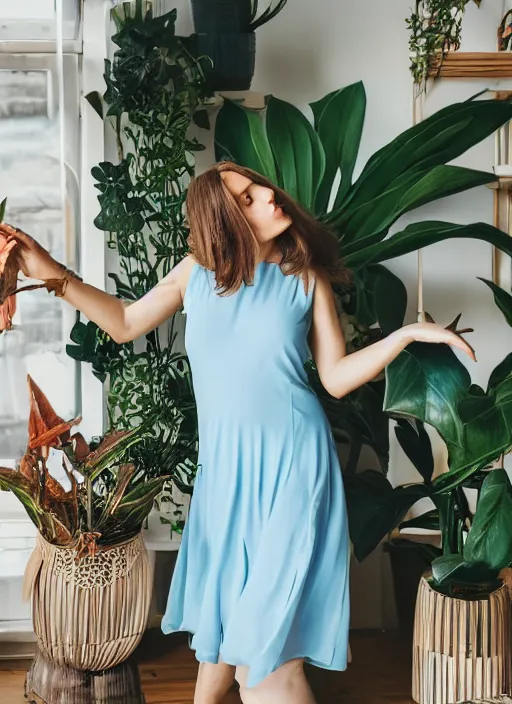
x,y
481,64
249,98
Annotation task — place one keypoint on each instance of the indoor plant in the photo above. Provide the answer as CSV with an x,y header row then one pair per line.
x,y
225,31
465,591
435,29
408,172
155,87
90,558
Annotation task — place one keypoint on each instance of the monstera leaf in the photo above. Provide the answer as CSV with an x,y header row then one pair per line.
x,y
428,382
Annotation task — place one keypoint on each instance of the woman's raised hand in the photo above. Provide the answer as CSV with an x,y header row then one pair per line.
x,y
35,261
431,332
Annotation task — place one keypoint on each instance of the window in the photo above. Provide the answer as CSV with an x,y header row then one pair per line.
x,y
39,176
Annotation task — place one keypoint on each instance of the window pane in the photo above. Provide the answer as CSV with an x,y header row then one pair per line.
x,y
32,177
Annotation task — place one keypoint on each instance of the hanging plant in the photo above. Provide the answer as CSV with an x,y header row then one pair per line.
x,y
154,90
435,27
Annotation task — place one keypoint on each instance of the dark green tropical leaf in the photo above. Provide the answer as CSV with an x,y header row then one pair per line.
x,y
429,383
381,298
375,508
3,206
95,101
240,135
436,140
297,151
201,119
415,442
359,223
490,539
499,374
446,567
422,234
502,298
452,570
339,121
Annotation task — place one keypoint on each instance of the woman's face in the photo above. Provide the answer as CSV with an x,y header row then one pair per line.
x,y
258,206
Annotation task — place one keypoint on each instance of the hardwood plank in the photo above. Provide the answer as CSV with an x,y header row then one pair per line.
x,y
380,672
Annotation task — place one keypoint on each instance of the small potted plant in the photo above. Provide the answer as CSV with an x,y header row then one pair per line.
x,y
89,578
435,29
225,31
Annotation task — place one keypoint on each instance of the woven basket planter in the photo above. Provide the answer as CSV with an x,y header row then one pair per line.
x,y
461,648
90,614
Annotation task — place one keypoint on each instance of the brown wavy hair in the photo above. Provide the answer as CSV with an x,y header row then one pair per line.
x,y
221,239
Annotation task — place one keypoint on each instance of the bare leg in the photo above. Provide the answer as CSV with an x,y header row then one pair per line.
x,y
286,685
213,682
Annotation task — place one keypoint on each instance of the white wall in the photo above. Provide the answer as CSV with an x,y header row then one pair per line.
x,y
312,48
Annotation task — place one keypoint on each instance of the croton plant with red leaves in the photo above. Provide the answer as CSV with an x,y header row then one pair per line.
x,y
108,500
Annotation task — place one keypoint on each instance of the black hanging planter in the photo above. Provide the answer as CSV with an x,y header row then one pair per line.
x,y
225,31
220,16
233,55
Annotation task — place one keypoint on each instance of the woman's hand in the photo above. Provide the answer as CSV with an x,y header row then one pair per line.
x,y
36,262
431,332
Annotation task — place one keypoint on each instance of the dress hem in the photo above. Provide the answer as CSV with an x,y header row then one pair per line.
x,y
233,661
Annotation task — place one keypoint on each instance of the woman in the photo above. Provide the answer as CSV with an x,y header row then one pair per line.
x,y
261,578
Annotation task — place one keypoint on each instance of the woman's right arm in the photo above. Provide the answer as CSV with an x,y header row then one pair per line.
x,y
121,320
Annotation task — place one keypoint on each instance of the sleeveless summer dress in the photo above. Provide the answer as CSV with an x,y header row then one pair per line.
x,y
262,573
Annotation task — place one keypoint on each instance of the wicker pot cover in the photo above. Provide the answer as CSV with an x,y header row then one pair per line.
x,y
91,614
461,648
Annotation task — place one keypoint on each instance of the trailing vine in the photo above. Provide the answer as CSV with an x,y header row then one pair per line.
x,y
435,29
155,88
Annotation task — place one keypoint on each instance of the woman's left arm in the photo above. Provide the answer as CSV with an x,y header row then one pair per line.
x,y
341,373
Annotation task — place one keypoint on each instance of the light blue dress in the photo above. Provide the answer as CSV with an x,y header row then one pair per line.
x,y
262,574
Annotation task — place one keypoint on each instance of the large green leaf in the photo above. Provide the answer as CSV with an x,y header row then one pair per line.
x,y
415,442
422,234
499,374
490,538
502,298
429,383
436,140
297,151
375,508
381,298
362,221
339,120
240,135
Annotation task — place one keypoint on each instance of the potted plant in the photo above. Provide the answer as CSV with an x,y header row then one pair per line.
x,y
225,31
89,578
154,91
466,595
435,29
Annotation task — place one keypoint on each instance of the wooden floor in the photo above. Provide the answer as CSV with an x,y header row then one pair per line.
x,y
380,672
